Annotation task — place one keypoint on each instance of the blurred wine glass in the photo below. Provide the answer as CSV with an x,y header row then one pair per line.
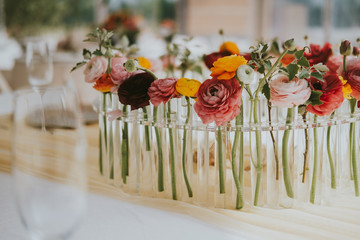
x,y
49,166
39,63
39,68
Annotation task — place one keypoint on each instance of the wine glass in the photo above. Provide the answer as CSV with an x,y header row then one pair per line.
x,y
39,63
49,167
39,68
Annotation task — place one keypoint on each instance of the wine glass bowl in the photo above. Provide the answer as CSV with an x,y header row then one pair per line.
x,y
38,62
49,167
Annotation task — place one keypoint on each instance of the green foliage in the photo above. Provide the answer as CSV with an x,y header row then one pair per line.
x,y
30,17
266,90
314,98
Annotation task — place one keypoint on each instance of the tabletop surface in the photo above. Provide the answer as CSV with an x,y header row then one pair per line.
x,y
113,214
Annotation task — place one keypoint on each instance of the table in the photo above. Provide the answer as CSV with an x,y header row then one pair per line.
x,y
113,214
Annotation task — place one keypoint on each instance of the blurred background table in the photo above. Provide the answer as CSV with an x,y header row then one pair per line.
x,y
113,214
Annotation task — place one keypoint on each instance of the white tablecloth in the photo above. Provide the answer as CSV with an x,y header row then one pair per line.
x,y
108,219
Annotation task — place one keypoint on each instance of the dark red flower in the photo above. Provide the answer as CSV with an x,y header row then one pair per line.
x,y
134,90
332,95
318,54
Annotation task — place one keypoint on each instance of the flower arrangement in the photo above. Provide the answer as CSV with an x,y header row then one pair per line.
x,y
298,89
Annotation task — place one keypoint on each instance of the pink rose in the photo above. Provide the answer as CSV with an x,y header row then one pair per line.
x,y
334,63
352,75
285,93
218,100
162,90
95,68
118,71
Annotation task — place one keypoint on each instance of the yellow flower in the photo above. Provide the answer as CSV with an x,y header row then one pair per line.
x,y
346,88
144,62
187,87
230,47
225,67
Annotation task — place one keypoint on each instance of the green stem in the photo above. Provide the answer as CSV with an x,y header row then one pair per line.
x,y
147,131
258,153
190,193
239,199
314,176
306,147
104,132
331,162
172,156
353,148
100,153
220,162
160,154
125,149
344,63
285,163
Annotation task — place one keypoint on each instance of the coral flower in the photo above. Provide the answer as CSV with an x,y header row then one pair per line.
x,y
104,83
218,100
187,87
285,93
352,75
225,68
162,90
229,47
318,54
287,59
331,97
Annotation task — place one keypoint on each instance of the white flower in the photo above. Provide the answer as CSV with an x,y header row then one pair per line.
x,y
245,74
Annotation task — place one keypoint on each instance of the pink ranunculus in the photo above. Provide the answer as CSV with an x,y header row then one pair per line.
x,y
162,90
332,96
218,100
118,71
352,75
95,68
334,63
285,93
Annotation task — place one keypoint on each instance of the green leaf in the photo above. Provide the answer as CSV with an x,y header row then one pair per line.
x,y
292,70
315,98
267,64
304,74
263,50
266,90
97,52
78,65
197,69
86,54
317,75
261,69
303,62
299,54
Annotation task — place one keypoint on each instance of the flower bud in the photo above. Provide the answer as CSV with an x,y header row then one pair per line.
x,y
345,48
356,51
245,74
290,44
131,65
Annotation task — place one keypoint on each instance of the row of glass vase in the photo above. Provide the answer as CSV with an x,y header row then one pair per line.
x,y
281,159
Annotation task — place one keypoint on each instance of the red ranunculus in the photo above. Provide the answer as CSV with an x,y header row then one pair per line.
x,y
318,54
332,95
134,90
352,75
218,100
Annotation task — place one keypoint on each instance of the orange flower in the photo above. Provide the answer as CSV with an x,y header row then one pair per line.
x,y
230,47
287,59
144,62
104,83
187,87
225,68
346,88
